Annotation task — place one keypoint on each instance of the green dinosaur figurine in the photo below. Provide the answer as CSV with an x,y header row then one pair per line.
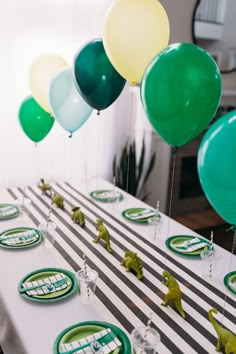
x,y
103,234
77,216
174,293
225,338
132,262
45,187
58,201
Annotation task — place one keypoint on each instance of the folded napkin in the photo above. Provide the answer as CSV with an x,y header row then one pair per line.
x,y
19,238
8,210
192,248
45,282
106,349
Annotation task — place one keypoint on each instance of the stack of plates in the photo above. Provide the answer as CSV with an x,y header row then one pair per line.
x,y
39,280
21,237
85,329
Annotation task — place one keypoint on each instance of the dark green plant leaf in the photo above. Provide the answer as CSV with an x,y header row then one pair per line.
x,y
150,167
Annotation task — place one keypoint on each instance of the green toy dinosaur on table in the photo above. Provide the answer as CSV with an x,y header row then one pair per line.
x,y
58,201
225,338
131,261
174,293
103,234
77,216
45,187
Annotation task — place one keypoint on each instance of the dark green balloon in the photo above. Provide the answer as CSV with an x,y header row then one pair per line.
x,y
95,78
180,92
35,122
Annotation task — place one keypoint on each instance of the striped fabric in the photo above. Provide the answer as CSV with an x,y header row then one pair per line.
x,y
44,282
106,349
122,298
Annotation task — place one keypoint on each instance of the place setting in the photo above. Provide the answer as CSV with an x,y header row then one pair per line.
x,y
20,237
143,215
230,282
48,285
8,211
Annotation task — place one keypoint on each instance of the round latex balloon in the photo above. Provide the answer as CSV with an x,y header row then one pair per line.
x,y
35,122
134,32
69,108
217,166
41,71
180,92
95,77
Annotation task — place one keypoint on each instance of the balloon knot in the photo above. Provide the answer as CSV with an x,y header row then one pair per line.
x,y
133,84
35,144
174,150
98,113
70,136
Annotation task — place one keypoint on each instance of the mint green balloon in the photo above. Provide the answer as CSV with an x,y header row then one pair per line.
x,y
180,92
217,166
69,108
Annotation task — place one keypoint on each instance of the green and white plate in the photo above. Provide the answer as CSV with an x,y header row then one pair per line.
x,y
129,214
173,241
229,280
106,195
11,216
25,243
84,329
44,273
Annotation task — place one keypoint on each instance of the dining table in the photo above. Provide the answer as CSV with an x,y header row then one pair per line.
x,y
28,327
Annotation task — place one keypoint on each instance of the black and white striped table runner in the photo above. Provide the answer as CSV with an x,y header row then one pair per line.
x,y
125,299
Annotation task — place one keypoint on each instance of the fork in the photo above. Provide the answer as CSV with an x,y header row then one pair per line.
x,y
107,338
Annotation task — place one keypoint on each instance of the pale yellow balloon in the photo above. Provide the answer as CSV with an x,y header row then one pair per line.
x,y
134,32
41,72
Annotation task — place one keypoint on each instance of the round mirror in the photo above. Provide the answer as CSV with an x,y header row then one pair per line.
x,y
213,28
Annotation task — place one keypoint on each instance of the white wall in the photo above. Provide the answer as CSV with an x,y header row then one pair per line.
x,y
28,29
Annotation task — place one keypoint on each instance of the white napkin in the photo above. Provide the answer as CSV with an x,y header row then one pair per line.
x,y
109,194
106,349
43,290
20,238
8,210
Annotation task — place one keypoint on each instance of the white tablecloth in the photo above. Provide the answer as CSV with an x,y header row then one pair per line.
x,y
35,326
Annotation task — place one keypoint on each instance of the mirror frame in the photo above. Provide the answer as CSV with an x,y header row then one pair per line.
x,y
195,39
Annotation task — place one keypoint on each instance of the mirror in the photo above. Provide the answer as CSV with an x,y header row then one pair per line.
x,y
213,28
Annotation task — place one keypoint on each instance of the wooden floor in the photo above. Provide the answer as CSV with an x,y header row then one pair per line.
x,y
200,220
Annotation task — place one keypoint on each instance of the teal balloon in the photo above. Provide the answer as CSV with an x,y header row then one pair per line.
x,y
96,79
217,166
180,92
69,108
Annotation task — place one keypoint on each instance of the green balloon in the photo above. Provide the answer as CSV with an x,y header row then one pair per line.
x,y
217,166
95,78
35,122
180,92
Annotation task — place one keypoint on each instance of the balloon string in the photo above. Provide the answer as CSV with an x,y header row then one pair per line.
x,y
171,199
97,153
128,158
230,267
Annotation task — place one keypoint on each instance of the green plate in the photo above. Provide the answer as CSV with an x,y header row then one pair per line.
x,y
27,244
230,278
10,216
98,195
172,241
40,274
85,329
131,211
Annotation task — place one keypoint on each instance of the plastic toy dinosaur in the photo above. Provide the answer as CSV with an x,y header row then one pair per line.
x,y
225,338
131,261
77,216
103,234
174,293
45,187
58,201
